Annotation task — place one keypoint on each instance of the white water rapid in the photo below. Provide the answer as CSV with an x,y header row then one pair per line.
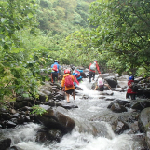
x,y
88,134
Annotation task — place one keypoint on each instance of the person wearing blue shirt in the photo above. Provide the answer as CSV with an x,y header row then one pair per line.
x,y
56,71
75,72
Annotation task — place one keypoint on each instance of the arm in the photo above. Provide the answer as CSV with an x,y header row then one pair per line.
x,y
89,66
97,66
62,82
76,81
130,84
59,70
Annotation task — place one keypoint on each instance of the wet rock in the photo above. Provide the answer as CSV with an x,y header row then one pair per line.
x,y
140,141
20,99
144,93
5,116
42,97
129,117
147,138
109,92
111,80
85,97
122,81
121,102
120,126
16,115
109,99
18,105
14,148
11,124
27,119
25,108
12,111
59,97
3,109
21,119
53,119
69,106
45,135
134,127
140,105
117,108
144,120
4,144
14,120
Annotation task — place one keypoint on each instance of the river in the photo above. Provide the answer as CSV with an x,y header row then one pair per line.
x,y
89,133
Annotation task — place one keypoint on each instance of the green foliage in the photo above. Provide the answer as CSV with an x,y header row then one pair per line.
x,y
38,110
62,16
17,77
143,72
118,37
122,31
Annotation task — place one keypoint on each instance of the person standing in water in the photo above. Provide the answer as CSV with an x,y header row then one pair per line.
x,y
130,93
92,69
67,84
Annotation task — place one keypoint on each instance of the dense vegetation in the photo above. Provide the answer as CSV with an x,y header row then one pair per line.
x,y
35,32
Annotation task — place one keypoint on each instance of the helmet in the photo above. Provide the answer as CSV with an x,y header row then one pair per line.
x,y
131,78
66,71
55,60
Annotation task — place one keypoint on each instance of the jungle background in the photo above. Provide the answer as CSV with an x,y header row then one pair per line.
x,y
33,33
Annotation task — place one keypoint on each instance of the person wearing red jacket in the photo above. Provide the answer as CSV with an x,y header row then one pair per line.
x,y
92,69
130,93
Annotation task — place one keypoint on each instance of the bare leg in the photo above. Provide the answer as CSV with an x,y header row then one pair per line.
x,y
96,87
67,97
74,95
108,86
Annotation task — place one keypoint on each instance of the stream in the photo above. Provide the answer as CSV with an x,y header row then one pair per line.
x,y
89,133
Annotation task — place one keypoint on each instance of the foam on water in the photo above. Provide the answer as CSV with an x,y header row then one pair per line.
x,y
24,136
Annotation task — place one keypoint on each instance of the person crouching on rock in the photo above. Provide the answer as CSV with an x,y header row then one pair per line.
x,y
67,83
100,84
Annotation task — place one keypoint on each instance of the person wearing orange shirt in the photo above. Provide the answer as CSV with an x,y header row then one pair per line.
x,y
69,89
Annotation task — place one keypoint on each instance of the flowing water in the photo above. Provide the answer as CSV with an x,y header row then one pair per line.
x,y
89,133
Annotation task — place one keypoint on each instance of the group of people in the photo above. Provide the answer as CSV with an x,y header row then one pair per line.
x,y
70,81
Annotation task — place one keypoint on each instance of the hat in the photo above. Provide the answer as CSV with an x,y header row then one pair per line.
x,y
131,77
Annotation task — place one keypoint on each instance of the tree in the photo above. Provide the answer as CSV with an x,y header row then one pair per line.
x,y
122,30
15,77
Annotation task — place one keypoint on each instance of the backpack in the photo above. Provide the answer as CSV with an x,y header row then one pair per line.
x,y
69,81
55,67
93,66
100,82
134,87
77,72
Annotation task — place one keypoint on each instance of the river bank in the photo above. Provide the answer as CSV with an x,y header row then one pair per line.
x,y
109,107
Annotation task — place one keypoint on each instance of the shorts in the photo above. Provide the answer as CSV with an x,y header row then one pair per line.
x,y
70,91
101,87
